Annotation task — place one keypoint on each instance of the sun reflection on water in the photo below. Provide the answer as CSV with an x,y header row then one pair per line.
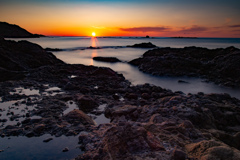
x,y
94,43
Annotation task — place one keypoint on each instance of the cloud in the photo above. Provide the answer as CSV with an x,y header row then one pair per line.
x,y
195,28
145,29
234,26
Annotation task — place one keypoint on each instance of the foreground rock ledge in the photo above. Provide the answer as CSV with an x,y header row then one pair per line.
x,y
218,65
171,126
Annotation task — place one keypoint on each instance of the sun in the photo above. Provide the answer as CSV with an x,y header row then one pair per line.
x,y
93,34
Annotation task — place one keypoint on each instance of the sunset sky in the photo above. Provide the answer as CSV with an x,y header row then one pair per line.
x,y
160,18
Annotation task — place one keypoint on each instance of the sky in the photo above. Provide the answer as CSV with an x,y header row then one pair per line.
x,y
156,18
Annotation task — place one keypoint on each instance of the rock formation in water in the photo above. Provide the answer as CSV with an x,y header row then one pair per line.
x,y
106,59
143,45
221,66
14,31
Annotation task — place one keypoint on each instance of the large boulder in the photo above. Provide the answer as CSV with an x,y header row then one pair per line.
x,y
78,117
24,55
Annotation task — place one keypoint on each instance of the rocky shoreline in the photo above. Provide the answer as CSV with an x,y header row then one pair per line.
x,y
217,65
14,31
158,124
147,122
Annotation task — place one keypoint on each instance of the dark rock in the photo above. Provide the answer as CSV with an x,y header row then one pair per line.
x,y
143,45
116,97
47,140
212,150
178,155
70,86
86,103
126,140
53,49
39,128
182,81
19,57
76,116
107,59
14,31
3,120
145,96
91,47
65,149
29,134
131,96
218,65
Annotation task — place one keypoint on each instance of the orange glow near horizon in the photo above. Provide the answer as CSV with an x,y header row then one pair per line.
x,y
84,18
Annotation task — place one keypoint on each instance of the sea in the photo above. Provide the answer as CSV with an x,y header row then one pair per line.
x,y
81,50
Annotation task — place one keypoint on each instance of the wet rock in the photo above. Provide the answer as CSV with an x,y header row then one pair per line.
x,y
1,38
53,49
86,103
104,72
131,96
29,134
126,140
211,150
182,81
47,140
119,111
145,96
178,155
76,116
3,120
107,59
116,97
143,45
65,149
91,47
39,128
217,65
157,118
70,86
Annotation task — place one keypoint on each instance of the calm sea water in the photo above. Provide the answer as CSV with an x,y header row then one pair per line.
x,y
75,52
74,42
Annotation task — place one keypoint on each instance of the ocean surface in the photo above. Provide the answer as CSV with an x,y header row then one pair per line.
x,y
76,51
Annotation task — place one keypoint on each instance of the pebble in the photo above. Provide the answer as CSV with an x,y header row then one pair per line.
x,y
66,149
47,140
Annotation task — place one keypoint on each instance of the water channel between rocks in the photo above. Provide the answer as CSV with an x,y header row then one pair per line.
x,y
22,148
